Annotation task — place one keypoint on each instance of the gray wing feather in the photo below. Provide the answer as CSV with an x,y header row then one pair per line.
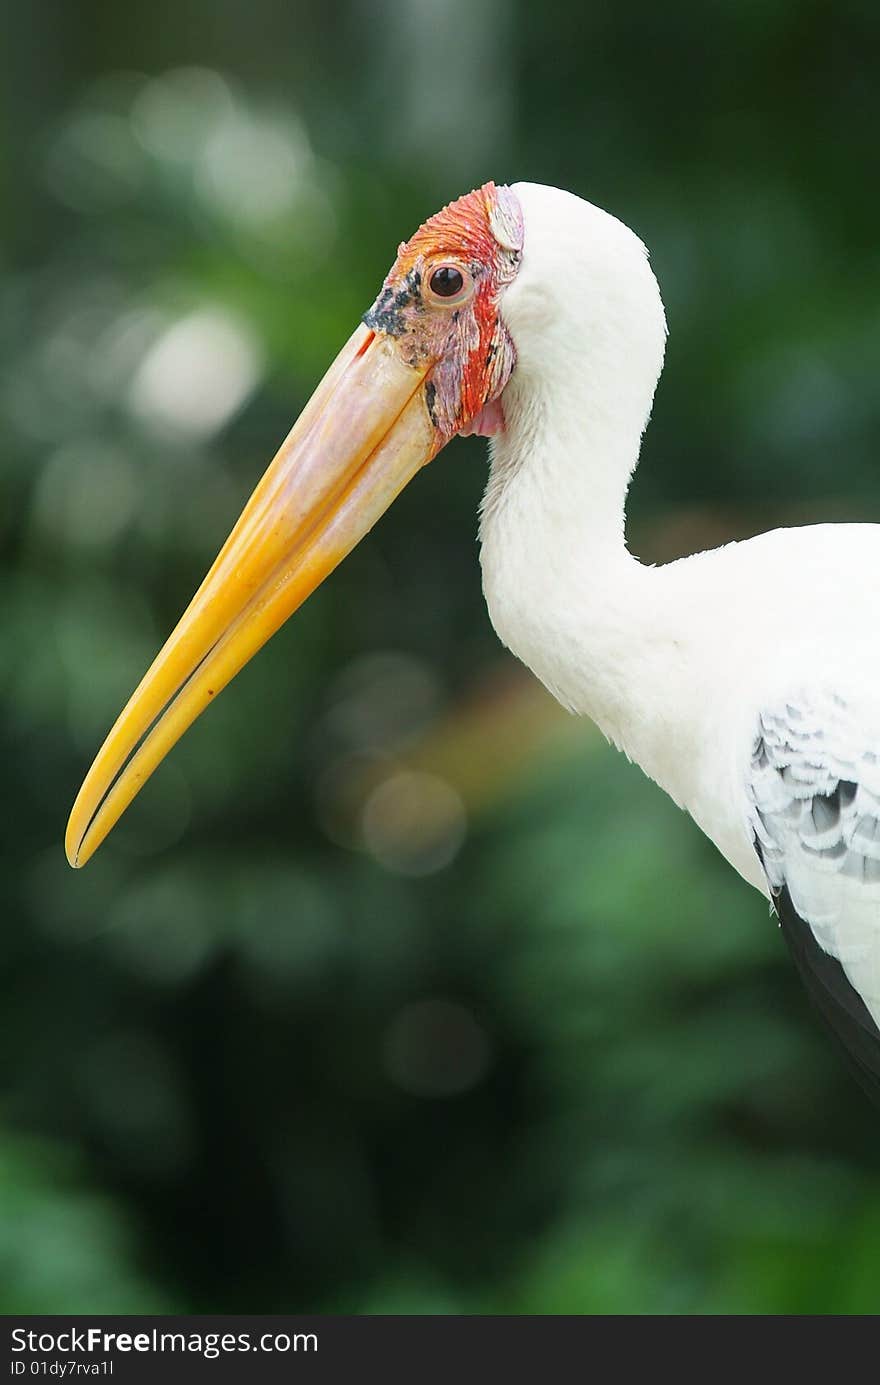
x,y
814,795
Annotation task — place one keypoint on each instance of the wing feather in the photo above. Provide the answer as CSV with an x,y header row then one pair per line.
x,y
814,795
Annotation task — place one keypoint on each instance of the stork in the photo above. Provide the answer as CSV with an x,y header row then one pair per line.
x,y
745,680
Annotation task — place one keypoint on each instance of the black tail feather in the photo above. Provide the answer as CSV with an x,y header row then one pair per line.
x,y
839,1003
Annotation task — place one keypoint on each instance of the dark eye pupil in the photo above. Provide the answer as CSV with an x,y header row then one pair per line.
x,y
446,282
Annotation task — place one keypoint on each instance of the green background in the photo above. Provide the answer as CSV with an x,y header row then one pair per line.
x,y
397,990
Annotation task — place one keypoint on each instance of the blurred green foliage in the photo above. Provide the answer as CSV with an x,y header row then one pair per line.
x,y
320,1027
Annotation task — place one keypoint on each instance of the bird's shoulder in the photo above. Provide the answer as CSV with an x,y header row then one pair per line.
x,y
837,540
796,559
786,604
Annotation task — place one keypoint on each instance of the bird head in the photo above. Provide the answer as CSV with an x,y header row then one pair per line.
x,y
440,304
430,359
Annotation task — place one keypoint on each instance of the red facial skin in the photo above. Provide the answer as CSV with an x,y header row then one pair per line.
x,y
485,424
481,234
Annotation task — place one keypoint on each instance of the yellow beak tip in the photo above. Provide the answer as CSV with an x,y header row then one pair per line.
x,y
73,848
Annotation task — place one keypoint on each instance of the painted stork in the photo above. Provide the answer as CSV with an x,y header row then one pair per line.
x,y
743,680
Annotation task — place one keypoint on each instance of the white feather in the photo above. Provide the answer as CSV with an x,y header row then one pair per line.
x,y
676,664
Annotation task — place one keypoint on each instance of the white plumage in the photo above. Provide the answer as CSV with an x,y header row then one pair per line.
x,y
745,680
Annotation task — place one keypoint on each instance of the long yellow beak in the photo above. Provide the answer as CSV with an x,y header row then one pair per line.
x,y
363,435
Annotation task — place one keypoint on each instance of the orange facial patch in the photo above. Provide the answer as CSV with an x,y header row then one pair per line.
x,y
482,233
464,230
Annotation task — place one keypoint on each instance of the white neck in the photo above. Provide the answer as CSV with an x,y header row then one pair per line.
x,y
562,590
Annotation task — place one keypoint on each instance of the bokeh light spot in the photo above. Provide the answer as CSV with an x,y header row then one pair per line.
x,y
436,1048
198,374
87,495
382,702
173,114
414,823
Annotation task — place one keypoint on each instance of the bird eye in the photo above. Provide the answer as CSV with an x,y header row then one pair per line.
x,y
450,283
447,281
